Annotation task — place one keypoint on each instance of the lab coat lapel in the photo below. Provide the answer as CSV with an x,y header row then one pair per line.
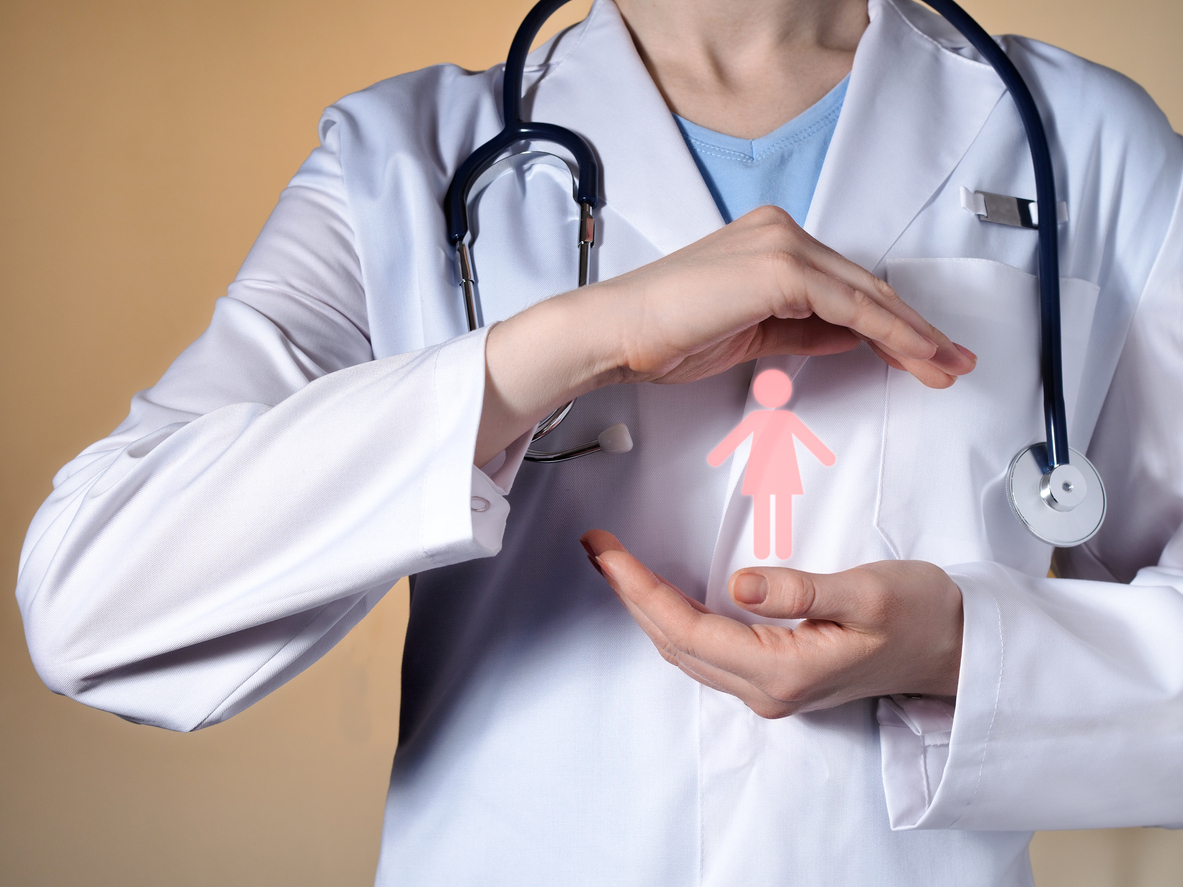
x,y
912,109
594,83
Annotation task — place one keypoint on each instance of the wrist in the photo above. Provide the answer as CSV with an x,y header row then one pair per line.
x,y
949,652
544,357
557,350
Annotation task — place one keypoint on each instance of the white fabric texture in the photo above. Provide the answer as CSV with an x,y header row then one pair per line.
x,y
316,444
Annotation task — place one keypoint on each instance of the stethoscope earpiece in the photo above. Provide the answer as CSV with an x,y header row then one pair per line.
x,y
1063,506
615,439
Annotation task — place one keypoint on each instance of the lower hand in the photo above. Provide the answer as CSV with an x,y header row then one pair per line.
x,y
876,630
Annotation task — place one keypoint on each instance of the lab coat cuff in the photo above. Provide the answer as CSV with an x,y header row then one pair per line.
x,y
914,737
490,486
464,509
934,752
503,468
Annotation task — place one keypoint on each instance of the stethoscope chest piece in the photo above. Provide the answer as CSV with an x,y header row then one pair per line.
x,y
1064,506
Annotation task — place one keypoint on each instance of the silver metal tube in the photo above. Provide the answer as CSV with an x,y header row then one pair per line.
x,y
468,284
551,422
563,455
587,237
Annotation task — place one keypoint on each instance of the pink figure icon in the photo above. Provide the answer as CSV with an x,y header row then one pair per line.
x,y
772,466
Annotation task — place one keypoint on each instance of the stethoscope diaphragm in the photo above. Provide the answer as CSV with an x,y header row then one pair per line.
x,y
1064,506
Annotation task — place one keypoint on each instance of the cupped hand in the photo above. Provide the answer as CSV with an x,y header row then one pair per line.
x,y
876,630
761,286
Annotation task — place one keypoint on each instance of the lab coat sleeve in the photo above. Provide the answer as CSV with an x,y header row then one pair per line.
x,y
262,497
1069,709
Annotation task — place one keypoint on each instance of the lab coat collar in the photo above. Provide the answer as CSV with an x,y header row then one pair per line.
x,y
913,107
594,83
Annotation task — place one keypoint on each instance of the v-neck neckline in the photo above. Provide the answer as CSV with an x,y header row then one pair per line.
x,y
820,116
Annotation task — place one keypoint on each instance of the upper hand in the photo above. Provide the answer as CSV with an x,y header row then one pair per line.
x,y
876,630
759,286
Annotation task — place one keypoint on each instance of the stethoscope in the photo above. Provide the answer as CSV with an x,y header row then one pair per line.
x,y
1055,492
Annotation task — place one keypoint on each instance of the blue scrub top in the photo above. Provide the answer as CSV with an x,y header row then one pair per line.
x,y
781,168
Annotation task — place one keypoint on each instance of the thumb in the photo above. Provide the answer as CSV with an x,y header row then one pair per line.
x,y
782,593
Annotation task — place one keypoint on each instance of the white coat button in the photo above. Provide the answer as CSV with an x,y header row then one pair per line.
x,y
480,504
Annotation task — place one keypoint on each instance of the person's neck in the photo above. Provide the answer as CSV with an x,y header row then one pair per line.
x,y
744,67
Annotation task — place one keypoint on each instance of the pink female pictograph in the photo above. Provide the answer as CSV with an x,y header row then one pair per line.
x,y
772,477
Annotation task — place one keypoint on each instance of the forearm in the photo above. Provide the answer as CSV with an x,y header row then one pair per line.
x,y
193,561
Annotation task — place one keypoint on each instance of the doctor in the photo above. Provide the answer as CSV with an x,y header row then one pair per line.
x,y
335,428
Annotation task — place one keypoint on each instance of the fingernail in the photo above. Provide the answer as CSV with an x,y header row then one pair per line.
x,y
966,352
586,547
749,588
591,560
604,569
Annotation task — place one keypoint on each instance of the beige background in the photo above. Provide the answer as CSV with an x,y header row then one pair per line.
x,y
145,143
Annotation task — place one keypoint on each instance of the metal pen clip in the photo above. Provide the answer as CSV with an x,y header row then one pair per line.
x,y
1002,209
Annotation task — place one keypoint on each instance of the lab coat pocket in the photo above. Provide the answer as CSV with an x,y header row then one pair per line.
x,y
942,481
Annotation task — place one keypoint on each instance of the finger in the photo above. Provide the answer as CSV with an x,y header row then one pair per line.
x,y
763,665
704,672
698,605
807,336
840,303
701,671
600,542
948,357
749,694
784,593
596,542
924,371
716,640
710,675
886,356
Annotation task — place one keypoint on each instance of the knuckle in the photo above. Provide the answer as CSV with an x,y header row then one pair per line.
x,y
878,598
786,690
667,651
798,594
771,710
886,290
775,234
678,633
859,300
792,266
791,271
771,216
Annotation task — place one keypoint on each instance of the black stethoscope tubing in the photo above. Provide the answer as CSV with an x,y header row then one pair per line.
x,y
1050,364
517,130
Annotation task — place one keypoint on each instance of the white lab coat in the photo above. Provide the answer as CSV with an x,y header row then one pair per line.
x,y
315,444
